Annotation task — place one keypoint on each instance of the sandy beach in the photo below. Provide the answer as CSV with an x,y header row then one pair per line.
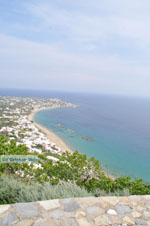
x,y
49,134
53,137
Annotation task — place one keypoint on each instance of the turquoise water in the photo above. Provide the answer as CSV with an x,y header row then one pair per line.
x,y
118,127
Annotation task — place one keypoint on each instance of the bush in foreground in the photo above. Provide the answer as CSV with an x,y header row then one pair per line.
x,y
13,190
73,175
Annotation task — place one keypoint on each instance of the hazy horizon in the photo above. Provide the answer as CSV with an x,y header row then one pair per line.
x,y
89,47
12,90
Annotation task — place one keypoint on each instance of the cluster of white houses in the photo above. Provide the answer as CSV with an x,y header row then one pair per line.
x,y
26,133
23,131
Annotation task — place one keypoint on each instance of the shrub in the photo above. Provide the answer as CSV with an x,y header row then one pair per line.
x,y
14,190
74,175
124,192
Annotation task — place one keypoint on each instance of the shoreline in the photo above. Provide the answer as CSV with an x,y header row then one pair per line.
x,y
54,138
48,133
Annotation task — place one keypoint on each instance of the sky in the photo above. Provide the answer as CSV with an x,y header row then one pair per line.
x,y
99,46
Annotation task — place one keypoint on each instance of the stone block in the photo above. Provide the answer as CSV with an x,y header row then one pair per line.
x,y
4,208
123,209
27,210
70,205
49,205
102,221
83,222
8,219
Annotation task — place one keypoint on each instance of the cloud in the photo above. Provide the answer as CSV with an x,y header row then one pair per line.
x,y
95,21
28,64
100,46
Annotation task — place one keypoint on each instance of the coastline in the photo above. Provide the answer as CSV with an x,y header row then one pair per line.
x,y
48,133
53,137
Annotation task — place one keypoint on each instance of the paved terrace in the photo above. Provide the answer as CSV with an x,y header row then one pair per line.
x,y
103,211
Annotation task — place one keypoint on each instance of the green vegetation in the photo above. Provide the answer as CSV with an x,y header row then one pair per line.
x,y
13,190
72,175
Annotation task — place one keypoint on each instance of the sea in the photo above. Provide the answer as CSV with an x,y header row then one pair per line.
x,y
113,129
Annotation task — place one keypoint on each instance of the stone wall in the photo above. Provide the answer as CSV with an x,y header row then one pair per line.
x,y
102,211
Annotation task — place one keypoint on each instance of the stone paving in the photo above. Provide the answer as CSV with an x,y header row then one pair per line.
x,y
102,211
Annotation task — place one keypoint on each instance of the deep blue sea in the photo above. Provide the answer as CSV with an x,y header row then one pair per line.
x,y
118,128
